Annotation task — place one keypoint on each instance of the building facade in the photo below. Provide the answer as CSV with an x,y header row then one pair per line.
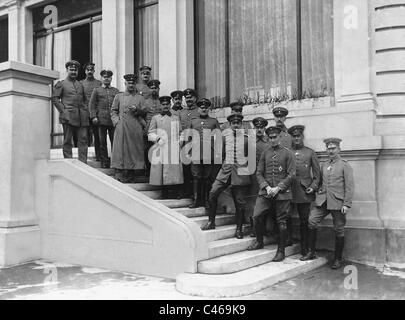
x,y
338,66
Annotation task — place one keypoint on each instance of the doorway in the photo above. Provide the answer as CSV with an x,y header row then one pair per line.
x,y
81,46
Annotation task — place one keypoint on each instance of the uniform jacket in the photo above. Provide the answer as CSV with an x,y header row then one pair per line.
x,y
167,168
337,185
128,148
262,144
100,104
276,169
69,99
143,90
286,139
89,86
200,124
187,115
231,167
308,175
152,107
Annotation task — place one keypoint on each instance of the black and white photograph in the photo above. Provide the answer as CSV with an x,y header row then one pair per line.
x,y
215,152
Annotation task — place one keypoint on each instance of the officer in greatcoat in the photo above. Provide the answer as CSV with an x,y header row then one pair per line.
x,y
127,115
306,182
203,153
89,84
164,132
334,197
275,173
234,173
100,113
69,99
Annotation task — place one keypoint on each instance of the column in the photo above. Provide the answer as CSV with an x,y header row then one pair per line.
x,y
118,38
176,45
24,137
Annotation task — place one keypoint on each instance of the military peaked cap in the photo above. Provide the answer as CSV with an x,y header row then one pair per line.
x,y
72,63
130,77
89,64
190,92
332,142
280,112
107,73
177,94
296,130
204,102
145,68
272,130
154,83
236,106
260,122
235,117
165,99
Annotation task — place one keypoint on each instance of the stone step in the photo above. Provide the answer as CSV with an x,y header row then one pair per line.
x,y
245,282
224,232
175,204
144,187
94,164
192,213
243,260
154,195
221,220
108,172
232,245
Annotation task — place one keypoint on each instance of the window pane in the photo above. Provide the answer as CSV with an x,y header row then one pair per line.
x,y
147,37
3,39
211,50
263,47
317,47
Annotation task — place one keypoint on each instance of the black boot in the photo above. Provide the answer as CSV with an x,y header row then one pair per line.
x,y
311,255
259,230
207,194
339,245
165,193
210,225
239,223
304,240
280,256
289,234
252,232
196,192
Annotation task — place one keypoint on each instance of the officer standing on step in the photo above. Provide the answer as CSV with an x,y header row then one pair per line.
x,y
127,114
262,144
275,174
89,84
233,173
334,197
305,183
69,99
177,98
145,75
203,164
164,132
100,113
186,116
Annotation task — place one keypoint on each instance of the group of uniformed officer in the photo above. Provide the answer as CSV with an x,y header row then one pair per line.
x,y
145,130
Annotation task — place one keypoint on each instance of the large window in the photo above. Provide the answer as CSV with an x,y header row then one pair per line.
x,y
264,49
77,36
147,35
3,39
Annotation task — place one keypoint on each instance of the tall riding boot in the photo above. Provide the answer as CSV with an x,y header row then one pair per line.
x,y
252,226
339,245
289,240
239,223
280,256
304,239
212,213
165,193
202,194
207,190
311,255
196,192
259,230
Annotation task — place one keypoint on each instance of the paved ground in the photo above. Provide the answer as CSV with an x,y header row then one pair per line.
x,y
41,280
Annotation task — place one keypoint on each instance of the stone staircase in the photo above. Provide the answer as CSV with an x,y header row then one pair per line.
x,y
231,270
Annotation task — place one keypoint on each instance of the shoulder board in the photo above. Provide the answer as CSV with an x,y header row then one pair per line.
x,y
59,84
344,160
